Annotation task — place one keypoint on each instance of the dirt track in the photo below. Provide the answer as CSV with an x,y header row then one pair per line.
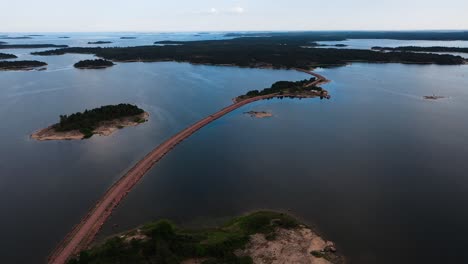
x,y
83,233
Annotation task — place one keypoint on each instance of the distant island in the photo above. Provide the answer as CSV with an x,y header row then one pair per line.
x,y
423,49
259,237
35,35
102,121
127,37
64,37
257,52
4,56
299,89
31,46
93,64
7,37
3,42
21,65
100,42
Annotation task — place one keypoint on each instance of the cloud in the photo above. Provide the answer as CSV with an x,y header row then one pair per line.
x,y
237,10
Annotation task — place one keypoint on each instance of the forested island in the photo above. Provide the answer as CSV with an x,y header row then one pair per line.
x,y
103,121
423,49
31,46
275,52
258,237
4,56
7,37
127,37
299,89
100,42
21,65
93,64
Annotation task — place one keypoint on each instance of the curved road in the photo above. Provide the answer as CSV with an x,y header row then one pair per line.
x,y
83,233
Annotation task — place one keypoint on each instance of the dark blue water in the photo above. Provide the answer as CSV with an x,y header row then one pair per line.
x,y
376,169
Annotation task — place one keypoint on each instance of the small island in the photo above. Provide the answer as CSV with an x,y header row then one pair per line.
x,y
259,237
93,64
259,114
7,37
5,56
64,37
102,121
423,49
99,42
433,97
21,65
281,89
127,37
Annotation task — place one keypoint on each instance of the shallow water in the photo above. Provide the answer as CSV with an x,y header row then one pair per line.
x,y
376,169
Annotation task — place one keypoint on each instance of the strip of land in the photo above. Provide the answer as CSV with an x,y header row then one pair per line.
x,y
84,233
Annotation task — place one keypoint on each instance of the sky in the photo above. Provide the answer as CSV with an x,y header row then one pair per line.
x,y
240,15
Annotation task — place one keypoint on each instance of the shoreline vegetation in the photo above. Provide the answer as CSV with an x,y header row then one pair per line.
x,y
31,46
256,52
257,237
21,65
5,56
299,89
101,121
423,49
100,42
93,64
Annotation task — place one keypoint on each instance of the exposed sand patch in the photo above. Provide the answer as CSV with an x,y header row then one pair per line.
x,y
105,128
290,246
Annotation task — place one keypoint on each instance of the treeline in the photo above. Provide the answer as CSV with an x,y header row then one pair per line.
x,y
98,63
20,65
31,46
423,49
251,53
100,42
164,243
284,87
4,56
88,120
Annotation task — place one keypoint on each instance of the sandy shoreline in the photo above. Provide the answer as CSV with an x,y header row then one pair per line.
x,y
105,128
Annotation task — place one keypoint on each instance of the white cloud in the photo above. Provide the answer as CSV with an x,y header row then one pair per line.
x,y
237,10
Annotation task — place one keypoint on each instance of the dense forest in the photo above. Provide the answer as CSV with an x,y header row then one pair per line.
x,y
20,65
162,242
423,49
89,64
284,87
31,46
87,121
100,42
256,52
4,56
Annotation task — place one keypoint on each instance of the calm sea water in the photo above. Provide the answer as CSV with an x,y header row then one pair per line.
x,y
376,169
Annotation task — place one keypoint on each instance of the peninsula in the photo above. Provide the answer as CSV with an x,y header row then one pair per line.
x,y
258,237
100,42
21,65
102,121
4,56
93,64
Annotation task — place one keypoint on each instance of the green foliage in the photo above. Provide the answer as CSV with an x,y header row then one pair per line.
x,y
19,65
87,121
165,243
279,51
98,63
283,87
4,56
